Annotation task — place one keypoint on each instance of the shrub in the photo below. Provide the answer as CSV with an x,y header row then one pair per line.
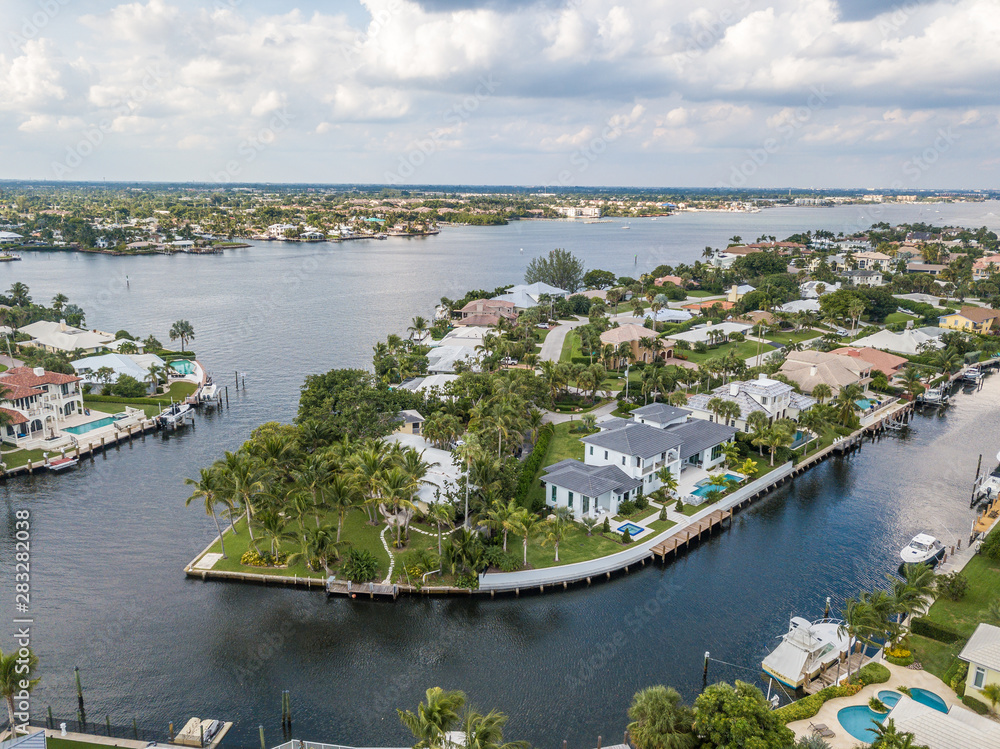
x,y
253,558
877,705
807,707
663,513
626,507
926,628
361,566
493,556
606,528
873,673
530,467
469,580
128,387
975,705
904,690
680,505
626,537
952,585
510,563
991,545
899,657
641,502
955,675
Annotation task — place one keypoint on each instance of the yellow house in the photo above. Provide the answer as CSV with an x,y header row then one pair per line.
x,y
972,320
409,422
982,653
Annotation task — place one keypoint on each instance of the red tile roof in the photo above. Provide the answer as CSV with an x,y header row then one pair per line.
x,y
26,376
880,360
10,392
15,416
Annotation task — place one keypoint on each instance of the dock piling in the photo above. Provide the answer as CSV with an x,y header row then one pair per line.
x,y
262,744
51,723
79,687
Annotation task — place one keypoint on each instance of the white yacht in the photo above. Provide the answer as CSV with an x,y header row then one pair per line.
x,y
934,396
805,650
923,549
174,415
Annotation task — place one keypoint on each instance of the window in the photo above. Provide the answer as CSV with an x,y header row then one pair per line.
x,y
979,678
663,456
586,504
623,460
716,452
554,490
569,502
605,454
638,462
591,449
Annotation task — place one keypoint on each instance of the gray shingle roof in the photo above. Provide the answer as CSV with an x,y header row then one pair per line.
x,y
635,439
660,412
589,481
697,435
983,648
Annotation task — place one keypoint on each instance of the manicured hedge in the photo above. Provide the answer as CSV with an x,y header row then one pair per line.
x,y
991,545
532,464
973,704
873,673
128,401
807,707
927,628
904,661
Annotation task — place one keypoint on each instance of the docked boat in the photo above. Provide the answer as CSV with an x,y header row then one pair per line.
x,y
923,549
174,415
209,392
807,649
934,396
61,464
973,374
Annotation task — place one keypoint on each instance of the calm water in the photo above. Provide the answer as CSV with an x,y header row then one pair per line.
x,y
109,540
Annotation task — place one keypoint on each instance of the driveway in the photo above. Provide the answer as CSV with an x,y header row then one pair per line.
x,y
553,343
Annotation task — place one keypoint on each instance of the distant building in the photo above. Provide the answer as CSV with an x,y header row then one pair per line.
x,y
972,319
36,402
590,211
60,337
486,312
807,369
634,335
775,399
409,421
9,237
864,277
872,261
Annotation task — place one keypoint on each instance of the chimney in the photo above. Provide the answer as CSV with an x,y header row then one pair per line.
x,y
62,326
762,376
734,388
812,371
39,371
479,307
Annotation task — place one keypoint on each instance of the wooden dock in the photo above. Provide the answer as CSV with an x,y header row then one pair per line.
x,y
836,673
363,590
690,534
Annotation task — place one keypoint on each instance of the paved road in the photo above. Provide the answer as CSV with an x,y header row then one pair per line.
x,y
551,417
553,343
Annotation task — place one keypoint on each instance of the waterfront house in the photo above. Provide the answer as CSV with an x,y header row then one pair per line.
x,y
807,369
773,398
982,653
634,335
36,402
428,384
526,296
624,458
9,237
864,277
60,337
133,365
972,320
486,312
958,728
675,280
889,364
660,415
872,261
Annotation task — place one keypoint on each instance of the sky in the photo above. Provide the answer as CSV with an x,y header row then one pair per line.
x,y
717,93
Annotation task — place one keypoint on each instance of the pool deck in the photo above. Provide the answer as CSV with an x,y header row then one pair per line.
x,y
899,676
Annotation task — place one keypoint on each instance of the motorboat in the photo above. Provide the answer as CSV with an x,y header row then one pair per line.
x,y
923,549
934,396
973,374
209,392
174,415
60,464
806,650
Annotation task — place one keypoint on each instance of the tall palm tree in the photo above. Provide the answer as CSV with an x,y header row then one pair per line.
x,y
821,392
500,517
342,494
668,481
434,718
320,548
525,522
272,526
660,720
398,488
59,301
182,329
441,513
486,731
242,482
910,594
417,327
18,294
14,679
856,616
556,528
208,487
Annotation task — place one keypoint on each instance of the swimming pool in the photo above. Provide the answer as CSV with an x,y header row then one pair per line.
x,y
863,403
182,366
860,721
890,697
633,529
90,425
702,488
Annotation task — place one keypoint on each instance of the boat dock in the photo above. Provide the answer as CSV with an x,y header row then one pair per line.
x,y
689,534
830,676
134,743
350,589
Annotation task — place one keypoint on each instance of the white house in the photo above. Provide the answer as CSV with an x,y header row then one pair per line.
x,y
872,261
526,296
36,402
58,336
776,399
982,653
623,460
660,415
800,305
134,365
9,237
911,341
808,289
703,333
864,277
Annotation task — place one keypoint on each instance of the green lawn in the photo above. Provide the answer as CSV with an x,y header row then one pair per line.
x,y
934,656
16,458
57,743
744,350
179,390
576,546
658,526
984,587
797,336
899,317
114,408
564,444
701,294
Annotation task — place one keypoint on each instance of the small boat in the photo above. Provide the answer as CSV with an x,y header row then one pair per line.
x,y
174,415
972,374
935,396
209,392
807,649
60,464
923,549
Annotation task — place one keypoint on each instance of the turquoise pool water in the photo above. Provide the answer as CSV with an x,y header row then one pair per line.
x,y
890,697
182,366
633,529
703,487
90,425
859,720
863,403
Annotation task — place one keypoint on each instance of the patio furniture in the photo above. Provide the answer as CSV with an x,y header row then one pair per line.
x,y
821,729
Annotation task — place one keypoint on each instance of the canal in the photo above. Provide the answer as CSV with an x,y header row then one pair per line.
x,y
109,540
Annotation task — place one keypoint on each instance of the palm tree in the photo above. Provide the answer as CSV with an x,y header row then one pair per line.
x,y
272,525
18,294
500,518
910,594
947,360
242,481
660,720
668,481
821,392
342,494
209,487
854,310
153,375
992,693
417,327
433,719
856,616
525,523
182,329
486,731
556,528
59,301
442,513
320,548
775,437
758,424
887,736
814,420
911,381
398,488
16,672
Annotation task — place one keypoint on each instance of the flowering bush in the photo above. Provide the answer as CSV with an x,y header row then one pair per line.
x,y
253,558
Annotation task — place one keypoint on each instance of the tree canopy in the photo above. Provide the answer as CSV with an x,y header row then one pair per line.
x,y
560,268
